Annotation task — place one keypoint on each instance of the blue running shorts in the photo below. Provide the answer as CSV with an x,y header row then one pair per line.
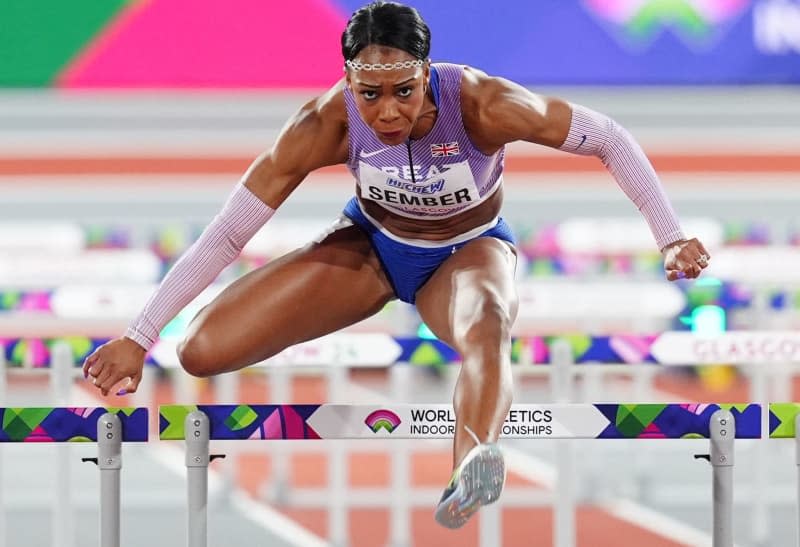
x,y
409,266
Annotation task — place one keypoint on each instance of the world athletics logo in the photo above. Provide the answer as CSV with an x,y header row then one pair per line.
x,y
638,23
382,419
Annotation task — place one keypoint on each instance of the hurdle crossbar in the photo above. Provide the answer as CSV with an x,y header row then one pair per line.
x,y
198,424
68,424
108,427
437,421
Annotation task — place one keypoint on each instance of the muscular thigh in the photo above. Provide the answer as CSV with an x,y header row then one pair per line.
x,y
479,276
315,290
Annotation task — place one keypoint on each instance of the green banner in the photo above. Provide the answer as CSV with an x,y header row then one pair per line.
x,y
38,38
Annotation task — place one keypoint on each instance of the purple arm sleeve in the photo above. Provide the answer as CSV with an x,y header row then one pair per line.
x,y
219,245
594,134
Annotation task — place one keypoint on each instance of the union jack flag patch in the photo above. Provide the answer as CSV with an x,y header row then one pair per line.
x,y
445,149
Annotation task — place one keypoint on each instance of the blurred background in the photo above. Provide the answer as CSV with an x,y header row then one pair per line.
x,y
125,123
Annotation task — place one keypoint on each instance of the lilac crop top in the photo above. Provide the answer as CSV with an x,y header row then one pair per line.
x,y
450,174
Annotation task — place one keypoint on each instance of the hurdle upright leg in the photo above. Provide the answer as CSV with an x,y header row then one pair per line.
x,y
759,530
197,431
400,508
109,460
564,503
226,392
62,368
723,432
279,391
338,511
643,381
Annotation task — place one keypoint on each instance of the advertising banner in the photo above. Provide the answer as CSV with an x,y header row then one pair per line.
x,y
438,421
258,44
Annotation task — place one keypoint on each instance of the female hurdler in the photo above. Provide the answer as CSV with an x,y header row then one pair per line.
x,y
425,143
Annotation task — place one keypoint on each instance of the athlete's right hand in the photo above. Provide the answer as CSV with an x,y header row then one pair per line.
x,y
113,362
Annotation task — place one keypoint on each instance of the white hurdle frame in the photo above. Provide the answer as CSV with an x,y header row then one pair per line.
x,y
197,438
723,433
63,514
564,525
398,517
108,460
197,460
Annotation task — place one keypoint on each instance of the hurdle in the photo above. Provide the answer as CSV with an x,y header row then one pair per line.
x,y
199,424
334,354
108,427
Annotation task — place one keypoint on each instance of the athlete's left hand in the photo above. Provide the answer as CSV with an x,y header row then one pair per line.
x,y
685,259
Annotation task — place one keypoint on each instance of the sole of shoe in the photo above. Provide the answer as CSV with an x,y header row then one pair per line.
x,y
479,483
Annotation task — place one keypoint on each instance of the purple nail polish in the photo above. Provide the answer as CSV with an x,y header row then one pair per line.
x,y
122,392
681,275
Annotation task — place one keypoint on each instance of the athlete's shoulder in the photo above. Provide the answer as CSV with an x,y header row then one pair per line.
x,y
477,84
315,133
328,107
468,74
479,90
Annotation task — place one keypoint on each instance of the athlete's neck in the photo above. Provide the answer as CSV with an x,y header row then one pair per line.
x,y
426,118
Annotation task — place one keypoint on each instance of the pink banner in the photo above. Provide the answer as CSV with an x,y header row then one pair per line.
x,y
206,43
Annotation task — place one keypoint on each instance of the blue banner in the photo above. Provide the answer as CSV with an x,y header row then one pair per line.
x,y
613,42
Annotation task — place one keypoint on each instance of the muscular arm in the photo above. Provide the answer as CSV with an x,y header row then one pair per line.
x,y
316,136
498,112
313,138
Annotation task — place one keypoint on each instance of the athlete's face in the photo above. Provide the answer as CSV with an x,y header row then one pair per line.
x,y
389,101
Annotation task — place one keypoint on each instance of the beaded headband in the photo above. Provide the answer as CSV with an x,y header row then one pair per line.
x,y
358,65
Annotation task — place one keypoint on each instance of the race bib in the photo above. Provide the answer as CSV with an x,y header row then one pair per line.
x,y
444,191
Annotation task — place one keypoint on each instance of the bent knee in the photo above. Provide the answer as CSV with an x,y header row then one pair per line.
x,y
197,357
488,323
202,355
